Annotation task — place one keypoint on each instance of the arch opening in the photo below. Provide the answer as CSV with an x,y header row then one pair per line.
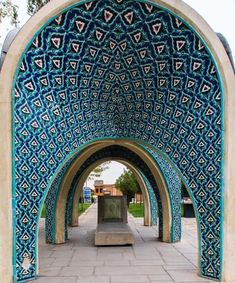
x,y
69,181
150,203
56,111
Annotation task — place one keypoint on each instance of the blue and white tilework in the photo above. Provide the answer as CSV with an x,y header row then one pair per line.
x,y
117,69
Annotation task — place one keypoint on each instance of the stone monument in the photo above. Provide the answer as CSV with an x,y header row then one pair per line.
x,y
112,228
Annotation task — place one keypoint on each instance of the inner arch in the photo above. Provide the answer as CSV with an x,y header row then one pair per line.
x,y
148,210
59,192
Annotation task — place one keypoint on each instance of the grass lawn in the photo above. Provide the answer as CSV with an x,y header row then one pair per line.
x,y
81,208
43,214
136,209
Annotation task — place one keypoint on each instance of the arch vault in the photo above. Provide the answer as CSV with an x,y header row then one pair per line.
x,y
150,73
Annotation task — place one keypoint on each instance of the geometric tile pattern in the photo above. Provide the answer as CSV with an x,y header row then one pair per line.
x,y
173,182
153,202
117,69
108,152
51,199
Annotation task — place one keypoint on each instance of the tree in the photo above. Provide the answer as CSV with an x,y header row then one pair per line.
x,y
9,10
128,185
34,5
96,173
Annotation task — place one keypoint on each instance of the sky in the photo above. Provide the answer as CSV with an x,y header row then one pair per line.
x,y
220,15
110,175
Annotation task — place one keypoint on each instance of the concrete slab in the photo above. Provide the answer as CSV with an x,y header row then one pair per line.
x,y
50,271
160,278
185,275
77,270
56,280
129,270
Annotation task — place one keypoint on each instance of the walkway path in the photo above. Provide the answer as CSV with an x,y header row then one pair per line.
x,y
148,260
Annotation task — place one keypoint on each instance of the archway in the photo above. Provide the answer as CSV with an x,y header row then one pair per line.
x,y
57,196
150,206
173,93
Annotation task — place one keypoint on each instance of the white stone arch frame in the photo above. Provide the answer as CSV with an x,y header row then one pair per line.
x,y
6,82
68,178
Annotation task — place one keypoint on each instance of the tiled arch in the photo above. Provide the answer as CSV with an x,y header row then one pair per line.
x,y
67,176
171,178
172,111
172,181
131,69
150,201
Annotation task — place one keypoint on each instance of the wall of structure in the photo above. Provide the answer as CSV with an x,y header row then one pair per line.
x,y
170,93
161,90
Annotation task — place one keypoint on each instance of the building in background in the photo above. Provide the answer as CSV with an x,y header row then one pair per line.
x,y
101,189
138,198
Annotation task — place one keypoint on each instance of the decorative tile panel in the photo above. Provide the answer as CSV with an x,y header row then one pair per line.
x,y
173,183
117,69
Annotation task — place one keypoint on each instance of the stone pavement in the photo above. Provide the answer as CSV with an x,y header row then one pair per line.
x,y
148,260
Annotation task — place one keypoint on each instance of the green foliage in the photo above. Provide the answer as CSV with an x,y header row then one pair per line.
x,y
136,209
96,173
182,210
43,213
9,10
34,5
128,185
82,207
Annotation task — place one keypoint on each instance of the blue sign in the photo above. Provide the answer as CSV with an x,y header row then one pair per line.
x,y
87,194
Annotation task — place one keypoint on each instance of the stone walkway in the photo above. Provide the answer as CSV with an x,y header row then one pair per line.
x,y
148,260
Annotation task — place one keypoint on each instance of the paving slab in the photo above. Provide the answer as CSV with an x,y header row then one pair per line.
x,y
188,275
160,278
61,262
81,262
109,256
147,261
56,280
50,271
115,262
92,279
129,279
129,270
77,270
